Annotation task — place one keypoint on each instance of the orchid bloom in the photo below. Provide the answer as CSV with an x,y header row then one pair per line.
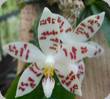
x,y
55,57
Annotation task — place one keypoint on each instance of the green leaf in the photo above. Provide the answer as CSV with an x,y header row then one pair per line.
x,y
58,93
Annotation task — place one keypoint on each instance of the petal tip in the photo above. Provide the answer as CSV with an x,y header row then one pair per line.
x,y
48,86
78,92
46,10
103,13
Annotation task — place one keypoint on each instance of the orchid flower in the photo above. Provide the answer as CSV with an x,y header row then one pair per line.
x,y
54,57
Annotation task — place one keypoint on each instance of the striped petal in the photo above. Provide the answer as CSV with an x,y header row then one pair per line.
x,y
48,30
29,80
88,27
26,52
76,51
68,78
84,31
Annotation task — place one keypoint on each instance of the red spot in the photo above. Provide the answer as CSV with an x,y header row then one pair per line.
x,y
67,78
97,23
61,30
55,40
74,52
91,22
84,50
91,29
63,81
43,38
72,78
12,48
21,88
30,79
75,86
68,83
53,21
32,82
59,20
82,24
69,30
62,24
53,48
72,89
24,84
25,46
49,20
33,70
21,51
65,52
32,85
27,54
98,17
43,22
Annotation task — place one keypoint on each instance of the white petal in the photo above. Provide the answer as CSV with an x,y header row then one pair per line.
x,y
48,30
24,51
48,86
29,80
2,97
68,78
77,51
66,31
88,27
84,31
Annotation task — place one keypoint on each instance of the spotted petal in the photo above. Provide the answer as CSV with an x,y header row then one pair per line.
x,y
84,31
87,28
24,51
68,78
29,80
76,51
48,30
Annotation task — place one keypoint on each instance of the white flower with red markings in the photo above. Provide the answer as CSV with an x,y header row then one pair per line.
x,y
57,56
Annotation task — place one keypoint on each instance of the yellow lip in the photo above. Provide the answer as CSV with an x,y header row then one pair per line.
x,y
48,71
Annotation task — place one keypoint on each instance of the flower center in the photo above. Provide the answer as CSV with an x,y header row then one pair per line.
x,y
48,71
